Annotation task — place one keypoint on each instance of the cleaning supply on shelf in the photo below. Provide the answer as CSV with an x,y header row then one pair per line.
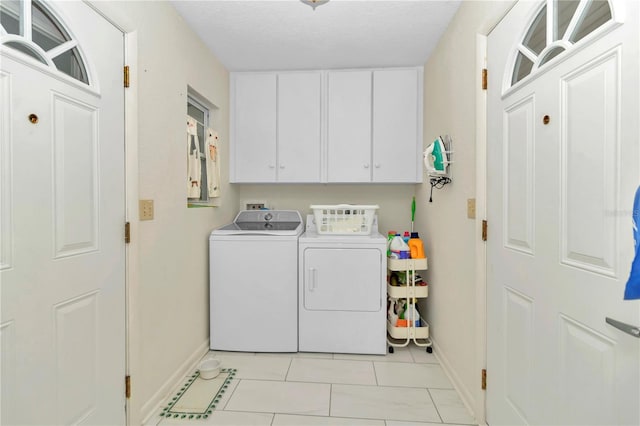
x,y
390,236
392,316
399,249
411,314
416,246
406,236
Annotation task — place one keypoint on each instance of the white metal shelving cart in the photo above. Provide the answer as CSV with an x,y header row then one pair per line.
x,y
402,336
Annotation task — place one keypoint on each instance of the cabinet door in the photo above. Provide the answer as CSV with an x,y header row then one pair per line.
x,y
299,127
397,138
349,126
342,279
253,141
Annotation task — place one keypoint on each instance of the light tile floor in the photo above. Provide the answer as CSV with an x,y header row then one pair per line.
x,y
406,388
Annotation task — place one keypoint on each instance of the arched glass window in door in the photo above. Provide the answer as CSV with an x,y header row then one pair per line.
x,y
556,28
29,27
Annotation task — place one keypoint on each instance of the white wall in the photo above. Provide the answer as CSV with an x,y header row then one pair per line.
x,y
394,200
450,87
169,293
168,283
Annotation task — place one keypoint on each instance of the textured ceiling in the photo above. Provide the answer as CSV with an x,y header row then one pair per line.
x,y
287,34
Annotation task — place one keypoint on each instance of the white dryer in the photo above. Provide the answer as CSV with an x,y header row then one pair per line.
x,y
342,296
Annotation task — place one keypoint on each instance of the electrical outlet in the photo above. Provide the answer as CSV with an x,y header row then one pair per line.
x,y
471,208
255,206
146,209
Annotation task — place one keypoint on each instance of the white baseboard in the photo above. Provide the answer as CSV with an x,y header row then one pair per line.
x,y
153,405
467,398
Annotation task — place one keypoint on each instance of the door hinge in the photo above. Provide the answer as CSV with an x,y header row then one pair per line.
x,y
484,378
127,233
484,79
126,76
484,230
127,386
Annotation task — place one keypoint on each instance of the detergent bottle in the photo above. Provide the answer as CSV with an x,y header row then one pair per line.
x,y
390,236
411,314
416,246
399,249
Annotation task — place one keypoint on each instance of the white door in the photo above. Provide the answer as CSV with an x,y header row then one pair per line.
x,y
254,128
563,166
349,126
299,127
396,145
345,279
62,215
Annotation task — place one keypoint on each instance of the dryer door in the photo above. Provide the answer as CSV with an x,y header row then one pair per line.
x,y
337,279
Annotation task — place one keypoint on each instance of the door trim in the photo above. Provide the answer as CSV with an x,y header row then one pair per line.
x,y
481,215
132,361
479,397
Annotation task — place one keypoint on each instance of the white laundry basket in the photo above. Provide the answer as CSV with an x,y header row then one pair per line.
x,y
344,219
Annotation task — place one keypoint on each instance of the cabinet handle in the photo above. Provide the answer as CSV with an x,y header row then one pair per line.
x,y
281,166
271,166
313,275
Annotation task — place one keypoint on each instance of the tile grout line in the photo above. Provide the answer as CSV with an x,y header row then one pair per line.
x,y
231,395
375,373
286,376
330,398
433,401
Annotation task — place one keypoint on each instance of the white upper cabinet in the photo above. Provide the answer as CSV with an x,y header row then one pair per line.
x,y
336,126
349,126
275,130
397,126
299,105
253,127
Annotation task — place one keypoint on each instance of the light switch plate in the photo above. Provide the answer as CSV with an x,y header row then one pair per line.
x,y
471,208
146,209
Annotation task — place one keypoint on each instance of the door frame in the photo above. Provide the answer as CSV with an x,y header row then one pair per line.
x,y
132,362
480,407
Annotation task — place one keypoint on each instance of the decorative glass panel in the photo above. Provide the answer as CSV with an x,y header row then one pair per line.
x,y
20,47
46,31
522,69
536,38
10,16
596,14
551,54
566,9
70,63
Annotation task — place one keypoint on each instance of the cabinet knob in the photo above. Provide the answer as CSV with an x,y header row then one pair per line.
x,y
366,166
281,166
271,166
377,165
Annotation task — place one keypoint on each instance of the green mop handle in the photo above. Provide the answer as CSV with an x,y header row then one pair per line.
x,y
413,212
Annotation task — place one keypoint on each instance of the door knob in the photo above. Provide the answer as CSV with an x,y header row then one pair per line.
x,y
33,118
627,328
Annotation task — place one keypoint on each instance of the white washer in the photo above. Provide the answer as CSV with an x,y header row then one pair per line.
x,y
253,282
342,296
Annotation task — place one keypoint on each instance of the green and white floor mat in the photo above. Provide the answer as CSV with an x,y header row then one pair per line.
x,y
197,398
